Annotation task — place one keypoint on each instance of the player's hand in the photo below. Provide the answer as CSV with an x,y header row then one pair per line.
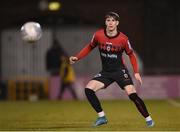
x,y
138,78
72,59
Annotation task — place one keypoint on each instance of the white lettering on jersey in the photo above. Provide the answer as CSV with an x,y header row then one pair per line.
x,y
112,56
103,54
109,43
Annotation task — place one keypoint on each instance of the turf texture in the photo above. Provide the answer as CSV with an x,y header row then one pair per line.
x,y
70,115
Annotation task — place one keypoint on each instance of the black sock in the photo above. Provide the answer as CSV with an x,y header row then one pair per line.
x,y
94,101
139,104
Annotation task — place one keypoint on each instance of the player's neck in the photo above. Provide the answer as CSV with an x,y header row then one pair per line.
x,y
111,33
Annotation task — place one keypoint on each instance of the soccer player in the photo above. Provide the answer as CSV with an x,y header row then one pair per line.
x,y
112,44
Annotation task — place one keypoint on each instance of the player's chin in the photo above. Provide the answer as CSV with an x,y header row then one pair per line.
x,y
110,29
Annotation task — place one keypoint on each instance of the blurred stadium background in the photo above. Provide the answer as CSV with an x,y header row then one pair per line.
x,y
153,28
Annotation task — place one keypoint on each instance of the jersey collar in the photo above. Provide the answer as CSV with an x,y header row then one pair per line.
x,y
110,36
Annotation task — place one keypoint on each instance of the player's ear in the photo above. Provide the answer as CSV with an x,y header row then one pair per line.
x,y
105,23
117,23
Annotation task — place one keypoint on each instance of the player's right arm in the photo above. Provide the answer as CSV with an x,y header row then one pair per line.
x,y
85,51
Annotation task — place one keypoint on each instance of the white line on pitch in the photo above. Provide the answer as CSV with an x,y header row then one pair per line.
x,y
173,102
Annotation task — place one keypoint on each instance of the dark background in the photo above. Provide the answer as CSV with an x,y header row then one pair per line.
x,y
153,26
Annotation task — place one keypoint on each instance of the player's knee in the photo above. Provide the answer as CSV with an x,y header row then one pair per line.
x,y
133,96
88,91
92,88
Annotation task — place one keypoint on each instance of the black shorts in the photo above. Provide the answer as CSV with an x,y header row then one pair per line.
x,y
121,77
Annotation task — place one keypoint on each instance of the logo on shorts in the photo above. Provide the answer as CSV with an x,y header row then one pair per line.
x,y
97,75
123,70
126,75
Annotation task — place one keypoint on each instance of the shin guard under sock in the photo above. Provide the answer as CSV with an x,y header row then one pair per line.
x,y
139,104
93,100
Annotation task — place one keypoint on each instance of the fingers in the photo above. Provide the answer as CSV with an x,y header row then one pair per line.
x,y
140,81
72,59
138,78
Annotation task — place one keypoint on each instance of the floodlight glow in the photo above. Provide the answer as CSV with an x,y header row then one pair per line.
x,y
54,6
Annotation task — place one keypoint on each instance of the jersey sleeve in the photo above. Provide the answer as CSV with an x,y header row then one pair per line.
x,y
133,59
88,48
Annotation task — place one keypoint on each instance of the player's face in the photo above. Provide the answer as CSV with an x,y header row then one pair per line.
x,y
111,24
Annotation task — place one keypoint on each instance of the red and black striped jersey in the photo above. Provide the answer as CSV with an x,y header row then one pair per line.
x,y
111,49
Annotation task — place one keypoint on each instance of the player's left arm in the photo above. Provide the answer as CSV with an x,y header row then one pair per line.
x,y
134,63
133,60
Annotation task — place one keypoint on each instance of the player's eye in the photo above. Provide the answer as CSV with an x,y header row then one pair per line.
x,y
108,20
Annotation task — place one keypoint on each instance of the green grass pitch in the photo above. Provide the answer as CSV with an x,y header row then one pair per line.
x,y
79,116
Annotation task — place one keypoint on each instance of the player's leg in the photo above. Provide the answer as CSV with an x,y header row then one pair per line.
x,y
90,90
130,90
124,80
94,85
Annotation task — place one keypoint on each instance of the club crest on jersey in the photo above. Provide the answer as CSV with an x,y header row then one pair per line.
x,y
108,48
